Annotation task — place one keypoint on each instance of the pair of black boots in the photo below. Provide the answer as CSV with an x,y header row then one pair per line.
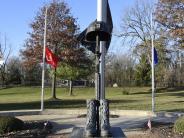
x,y
97,114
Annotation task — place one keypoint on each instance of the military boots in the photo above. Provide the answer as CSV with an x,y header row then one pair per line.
x,y
93,116
91,122
104,118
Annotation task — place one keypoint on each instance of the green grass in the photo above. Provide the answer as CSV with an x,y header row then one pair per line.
x,y
179,125
139,98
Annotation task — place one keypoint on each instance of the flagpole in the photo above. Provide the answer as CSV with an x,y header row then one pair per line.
x,y
102,17
43,67
152,66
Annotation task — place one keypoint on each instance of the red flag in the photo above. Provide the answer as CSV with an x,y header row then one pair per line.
x,y
51,58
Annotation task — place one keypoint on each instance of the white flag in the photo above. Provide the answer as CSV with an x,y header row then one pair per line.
x,y
149,124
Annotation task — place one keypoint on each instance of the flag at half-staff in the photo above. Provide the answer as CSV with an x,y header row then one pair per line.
x,y
50,58
155,56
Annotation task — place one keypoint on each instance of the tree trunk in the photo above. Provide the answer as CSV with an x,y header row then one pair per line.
x,y
71,88
54,85
54,78
2,80
3,76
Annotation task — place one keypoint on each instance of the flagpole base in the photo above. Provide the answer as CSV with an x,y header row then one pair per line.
x,y
79,132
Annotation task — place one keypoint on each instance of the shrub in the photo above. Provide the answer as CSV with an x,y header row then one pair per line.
x,y
179,125
161,90
125,92
8,124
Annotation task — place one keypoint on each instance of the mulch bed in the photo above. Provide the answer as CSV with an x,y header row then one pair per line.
x,y
35,129
41,129
165,130
159,130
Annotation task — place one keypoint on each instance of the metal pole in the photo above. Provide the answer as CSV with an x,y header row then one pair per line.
x,y
102,17
152,66
102,69
97,84
97,75
43,68
102,10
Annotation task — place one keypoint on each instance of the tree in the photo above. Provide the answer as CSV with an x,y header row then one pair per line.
x,y
143,71
136,27
61,35
170,15
119,69
14,70
33,75
79,66
5,51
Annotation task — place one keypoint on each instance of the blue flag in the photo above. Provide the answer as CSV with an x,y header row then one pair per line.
x,y
155,57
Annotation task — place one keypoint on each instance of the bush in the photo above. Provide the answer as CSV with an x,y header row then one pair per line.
x,y
125,92
179,125
8,124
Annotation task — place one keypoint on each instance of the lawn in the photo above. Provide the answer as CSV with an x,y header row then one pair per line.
x,y
139,98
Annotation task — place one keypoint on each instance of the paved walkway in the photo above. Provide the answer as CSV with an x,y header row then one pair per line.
x,y
63,120
65,123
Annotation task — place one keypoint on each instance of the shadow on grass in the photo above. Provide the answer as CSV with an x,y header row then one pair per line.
x,y
178,94
162,90
49,104
14,93
145,92
179,101
165,90
53,104
175,89
174,110
121,101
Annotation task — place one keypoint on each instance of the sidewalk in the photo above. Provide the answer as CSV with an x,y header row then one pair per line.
x,y
73,112
64,120
129,124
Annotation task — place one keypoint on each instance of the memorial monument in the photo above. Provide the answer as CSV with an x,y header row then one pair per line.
x,y
97,38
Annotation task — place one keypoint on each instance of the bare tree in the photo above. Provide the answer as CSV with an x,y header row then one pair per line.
x,y
120,69
5,51
136,30
136,27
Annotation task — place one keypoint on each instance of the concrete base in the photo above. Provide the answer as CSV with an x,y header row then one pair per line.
x,y
79,132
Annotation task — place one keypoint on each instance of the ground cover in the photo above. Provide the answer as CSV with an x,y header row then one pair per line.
x,y
158,130
34,129
137,98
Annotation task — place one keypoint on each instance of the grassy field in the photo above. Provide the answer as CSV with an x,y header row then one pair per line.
x,y
139,98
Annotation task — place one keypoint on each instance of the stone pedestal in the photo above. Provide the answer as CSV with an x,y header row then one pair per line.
x,y
79,132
